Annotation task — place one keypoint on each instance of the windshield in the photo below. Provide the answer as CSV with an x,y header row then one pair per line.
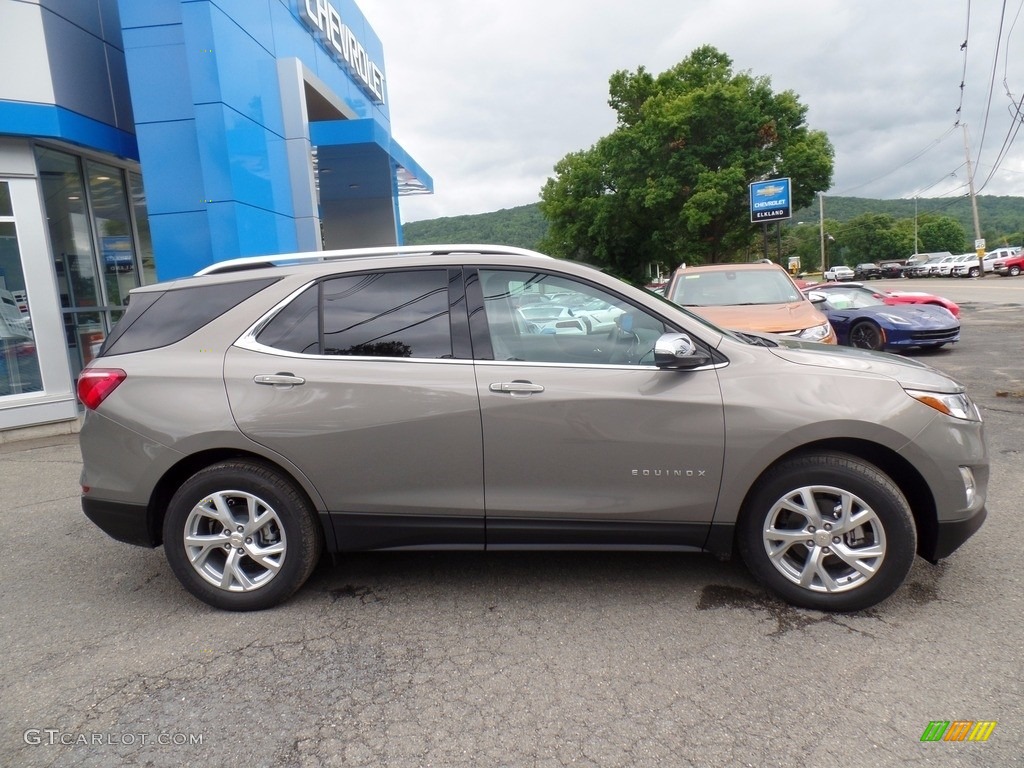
x,y
727,287
850,298
540,311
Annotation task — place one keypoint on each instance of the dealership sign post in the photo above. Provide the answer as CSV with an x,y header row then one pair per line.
x,y
770,201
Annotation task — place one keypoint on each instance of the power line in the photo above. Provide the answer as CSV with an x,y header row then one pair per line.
x,y
916,156
992,83
1016,114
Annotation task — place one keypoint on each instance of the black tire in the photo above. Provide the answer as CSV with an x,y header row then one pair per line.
x,y
866,335
973,272
252,531
1014,270
810,564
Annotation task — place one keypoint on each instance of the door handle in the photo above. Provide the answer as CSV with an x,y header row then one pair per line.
x,y
516,388
283,380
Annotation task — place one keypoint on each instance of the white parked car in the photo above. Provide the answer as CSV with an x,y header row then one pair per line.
x,y
838,273
942,267
971,267
946,267
15,323
549,318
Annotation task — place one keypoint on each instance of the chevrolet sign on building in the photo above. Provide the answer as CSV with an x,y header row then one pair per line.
x,y
339,39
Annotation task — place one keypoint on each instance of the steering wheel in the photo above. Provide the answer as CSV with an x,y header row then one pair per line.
x,y
623,341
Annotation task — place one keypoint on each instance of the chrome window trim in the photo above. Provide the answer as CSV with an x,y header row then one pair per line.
x,y
649,367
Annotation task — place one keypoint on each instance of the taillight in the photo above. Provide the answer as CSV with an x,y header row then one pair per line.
x,y
94,384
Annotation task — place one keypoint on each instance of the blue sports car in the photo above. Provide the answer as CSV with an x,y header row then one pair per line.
x,y
862,320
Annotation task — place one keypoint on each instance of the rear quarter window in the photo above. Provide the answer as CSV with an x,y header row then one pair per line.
x,y
156,320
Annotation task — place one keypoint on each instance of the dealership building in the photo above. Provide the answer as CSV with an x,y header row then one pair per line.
x,y
142,140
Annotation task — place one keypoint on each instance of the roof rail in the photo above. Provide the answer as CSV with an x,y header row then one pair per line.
x,y
272,260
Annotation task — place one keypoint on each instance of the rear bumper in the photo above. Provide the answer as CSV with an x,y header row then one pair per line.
x,y
129,523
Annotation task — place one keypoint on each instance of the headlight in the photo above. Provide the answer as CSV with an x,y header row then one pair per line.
x,y
895,319
959,405
817,333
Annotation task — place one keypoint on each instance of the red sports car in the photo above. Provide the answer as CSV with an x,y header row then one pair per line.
x,y
893,297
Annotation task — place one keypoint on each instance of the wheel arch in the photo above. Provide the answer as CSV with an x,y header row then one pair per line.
x,y
177,474
901,472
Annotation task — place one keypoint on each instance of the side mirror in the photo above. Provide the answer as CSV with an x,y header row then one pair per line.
x,y
677,350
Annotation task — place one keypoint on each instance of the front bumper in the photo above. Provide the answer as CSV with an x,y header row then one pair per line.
x,y
952,533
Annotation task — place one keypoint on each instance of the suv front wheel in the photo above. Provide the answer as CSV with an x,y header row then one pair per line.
x,y
829,532
240,537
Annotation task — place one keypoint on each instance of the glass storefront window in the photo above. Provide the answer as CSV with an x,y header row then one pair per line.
x,y
113,231
70,233
99,232
19,361
146,261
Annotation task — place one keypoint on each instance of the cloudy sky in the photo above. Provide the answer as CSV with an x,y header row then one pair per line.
x,y
487,96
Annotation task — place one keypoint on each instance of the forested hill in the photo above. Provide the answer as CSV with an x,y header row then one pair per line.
x,y
524,226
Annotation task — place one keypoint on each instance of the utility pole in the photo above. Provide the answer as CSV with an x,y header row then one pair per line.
x,y
974,202
821,228
915,223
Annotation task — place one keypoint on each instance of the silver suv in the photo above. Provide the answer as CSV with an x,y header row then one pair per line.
x,y
269,408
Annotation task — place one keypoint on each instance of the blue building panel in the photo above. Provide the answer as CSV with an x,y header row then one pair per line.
x,y
110,21
241,160
85,14
46,121
253,16
170,167
148,14
188,243
206,91
233,67
256,227
152,54
291,39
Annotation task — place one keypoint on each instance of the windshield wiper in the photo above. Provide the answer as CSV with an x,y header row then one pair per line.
x,y
757,341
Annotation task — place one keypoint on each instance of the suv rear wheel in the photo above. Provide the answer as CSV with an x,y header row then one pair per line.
x,y
241,537
828,531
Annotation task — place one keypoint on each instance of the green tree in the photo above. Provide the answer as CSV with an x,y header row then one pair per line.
x,y
670,183
941,233
803,241
872,237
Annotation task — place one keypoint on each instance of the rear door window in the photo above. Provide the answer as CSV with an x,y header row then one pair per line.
x,y
382,314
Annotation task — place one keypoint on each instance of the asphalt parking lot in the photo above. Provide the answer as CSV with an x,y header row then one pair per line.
x,y
554,659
